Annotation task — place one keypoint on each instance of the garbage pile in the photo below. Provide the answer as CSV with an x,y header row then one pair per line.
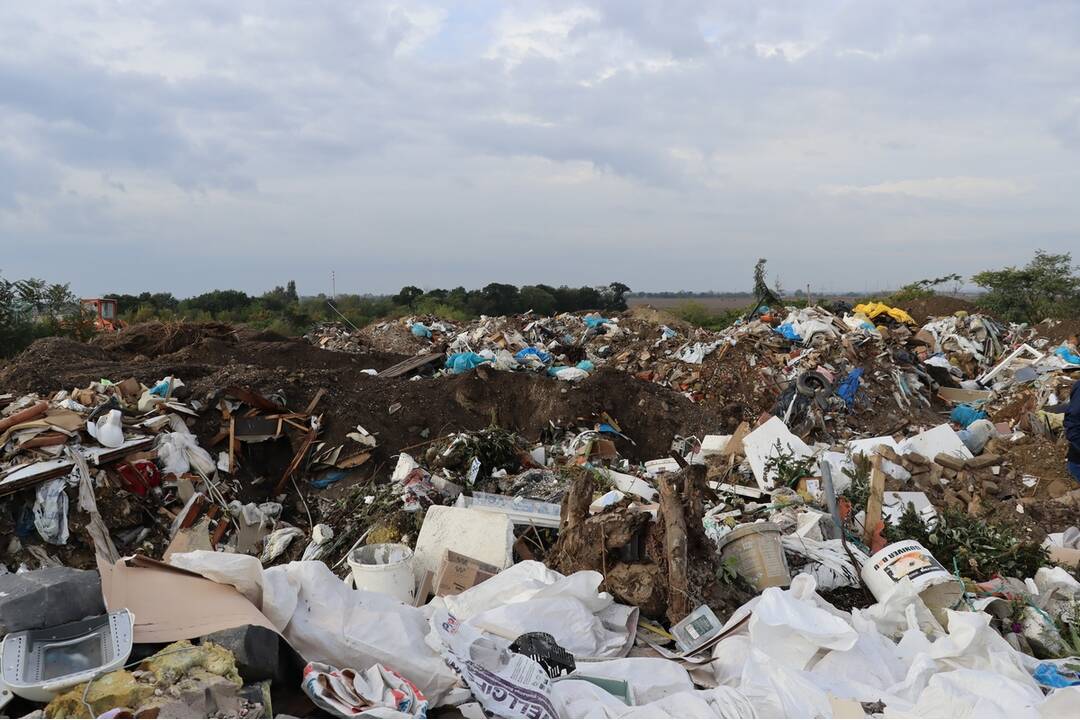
x,y
134,446
842,514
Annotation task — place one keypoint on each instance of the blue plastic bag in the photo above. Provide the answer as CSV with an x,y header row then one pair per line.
x,y
325,481
464,362
964,415
1050,675
594,322
849,386
788,331
420,330
161,389
586,365
1068,356
526,353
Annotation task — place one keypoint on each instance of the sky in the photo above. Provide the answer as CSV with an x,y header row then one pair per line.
x,y
666,144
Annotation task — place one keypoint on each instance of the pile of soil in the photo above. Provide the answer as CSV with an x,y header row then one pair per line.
x,y
938,306
1058,331
525,403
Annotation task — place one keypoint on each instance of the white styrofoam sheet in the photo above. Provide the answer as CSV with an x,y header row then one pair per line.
x,y
484,536
760,445
940,439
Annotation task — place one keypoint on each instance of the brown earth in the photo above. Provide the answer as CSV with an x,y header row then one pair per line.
x,y
937,306
1058,330
209,358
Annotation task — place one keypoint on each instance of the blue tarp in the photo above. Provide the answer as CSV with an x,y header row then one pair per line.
x,y
463,362
849,386
964,415
526,353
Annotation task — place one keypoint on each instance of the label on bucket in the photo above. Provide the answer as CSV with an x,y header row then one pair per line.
x,y
909,561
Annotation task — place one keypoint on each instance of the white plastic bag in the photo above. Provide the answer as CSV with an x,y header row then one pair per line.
x,y
108,429
51,511
180,453
530,597
506,683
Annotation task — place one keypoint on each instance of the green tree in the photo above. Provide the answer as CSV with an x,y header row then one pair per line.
x,y
616,292
1045,287
537,299
500,299
921,289
408,295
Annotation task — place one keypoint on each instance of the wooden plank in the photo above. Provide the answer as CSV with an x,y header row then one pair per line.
x,y
413,363
676,546
874,502
297,460
315,401
232,445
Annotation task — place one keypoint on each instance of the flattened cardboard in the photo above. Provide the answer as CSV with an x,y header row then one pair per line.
x,y
457,573
172,604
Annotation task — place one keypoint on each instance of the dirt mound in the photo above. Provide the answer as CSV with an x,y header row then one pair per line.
x,y
190,351
158,338
215,357
1058,331
937,306
654,316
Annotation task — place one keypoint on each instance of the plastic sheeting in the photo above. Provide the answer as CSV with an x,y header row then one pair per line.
x,y
464,361
326,621
797,651
529,597
784,653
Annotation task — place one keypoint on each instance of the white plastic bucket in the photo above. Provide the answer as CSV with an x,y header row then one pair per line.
x,y
759,555
937,587
385,568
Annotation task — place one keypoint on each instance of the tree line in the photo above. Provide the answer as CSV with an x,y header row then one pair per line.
x,y
1048,286
283,310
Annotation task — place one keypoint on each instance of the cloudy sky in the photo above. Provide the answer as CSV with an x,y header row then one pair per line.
x,y
667,144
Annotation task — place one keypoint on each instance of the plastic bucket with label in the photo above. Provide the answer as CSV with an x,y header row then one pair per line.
x,y
385,568
758,553
937,587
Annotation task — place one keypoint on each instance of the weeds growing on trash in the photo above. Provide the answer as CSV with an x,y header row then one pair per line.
x,y
979,549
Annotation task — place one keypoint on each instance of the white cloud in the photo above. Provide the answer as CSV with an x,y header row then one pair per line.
x,y
659,142
940,188
537,35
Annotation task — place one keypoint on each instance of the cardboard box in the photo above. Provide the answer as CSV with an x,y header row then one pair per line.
x,y
604,449
458,573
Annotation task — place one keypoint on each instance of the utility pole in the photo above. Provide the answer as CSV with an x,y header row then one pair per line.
x,y
333,286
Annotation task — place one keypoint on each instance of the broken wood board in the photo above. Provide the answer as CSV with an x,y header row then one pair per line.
x,y
406,366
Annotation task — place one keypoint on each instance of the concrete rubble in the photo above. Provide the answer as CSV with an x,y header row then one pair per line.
x,y
819,511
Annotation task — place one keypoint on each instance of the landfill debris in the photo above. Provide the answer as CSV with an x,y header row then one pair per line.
x,y
807,513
